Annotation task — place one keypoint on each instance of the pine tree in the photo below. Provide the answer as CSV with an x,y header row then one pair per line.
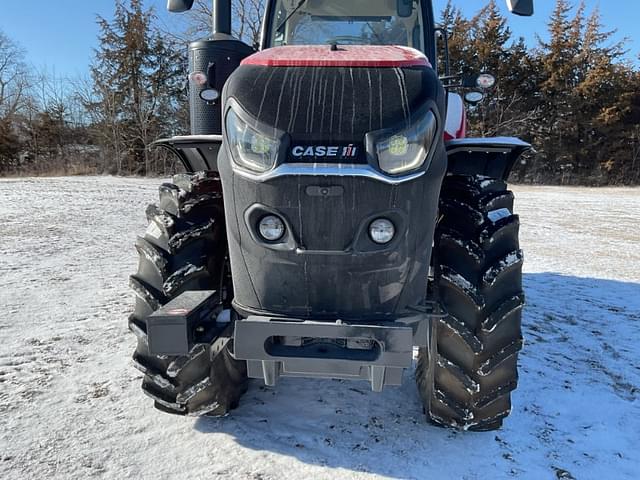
x,y
573,96
458,30
136,79
601,90
557,133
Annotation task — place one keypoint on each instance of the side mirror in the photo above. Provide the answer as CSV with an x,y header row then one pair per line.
x,y
404,8
177,6
473,98
521,7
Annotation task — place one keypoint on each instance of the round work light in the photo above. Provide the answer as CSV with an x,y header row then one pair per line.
x,y
381,231
271,228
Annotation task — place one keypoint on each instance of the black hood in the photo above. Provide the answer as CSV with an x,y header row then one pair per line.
x,y
327,266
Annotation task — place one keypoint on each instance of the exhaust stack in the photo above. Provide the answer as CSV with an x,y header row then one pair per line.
x,y
222,17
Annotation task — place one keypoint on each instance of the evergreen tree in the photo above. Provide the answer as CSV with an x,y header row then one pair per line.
x,y
458,30
136,76
573,96
602,91
558,68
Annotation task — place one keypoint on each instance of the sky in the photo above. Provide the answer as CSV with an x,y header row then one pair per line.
x,y
61,34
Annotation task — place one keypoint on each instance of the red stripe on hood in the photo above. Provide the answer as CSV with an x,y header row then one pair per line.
x,y
344,56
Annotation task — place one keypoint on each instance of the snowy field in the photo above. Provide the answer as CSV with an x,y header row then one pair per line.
x,y
71,406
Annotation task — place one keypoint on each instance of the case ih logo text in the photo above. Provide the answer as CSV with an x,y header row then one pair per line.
x,y
322,151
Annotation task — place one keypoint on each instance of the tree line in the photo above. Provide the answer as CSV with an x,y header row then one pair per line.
x,y
573,95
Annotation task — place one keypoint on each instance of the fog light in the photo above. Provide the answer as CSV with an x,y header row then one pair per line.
x,y
381,231
271,228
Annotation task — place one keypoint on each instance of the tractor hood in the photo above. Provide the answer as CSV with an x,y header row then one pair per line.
x,y
329,139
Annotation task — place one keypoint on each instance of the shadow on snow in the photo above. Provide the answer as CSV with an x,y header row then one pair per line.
x,y
581,336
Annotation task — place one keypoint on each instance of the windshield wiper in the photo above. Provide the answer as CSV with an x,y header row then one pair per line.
x,y
281,26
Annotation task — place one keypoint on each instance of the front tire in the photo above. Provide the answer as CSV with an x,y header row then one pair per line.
x,y
466,377
185,248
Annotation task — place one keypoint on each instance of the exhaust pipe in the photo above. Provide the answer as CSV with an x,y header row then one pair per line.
x,y
222,17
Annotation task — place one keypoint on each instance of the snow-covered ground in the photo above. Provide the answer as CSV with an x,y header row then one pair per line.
x,y
71,406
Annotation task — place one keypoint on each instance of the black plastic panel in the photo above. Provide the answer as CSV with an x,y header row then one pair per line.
x,y
490,157
332,268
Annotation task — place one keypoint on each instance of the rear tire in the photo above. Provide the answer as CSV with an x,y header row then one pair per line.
x,y
467,381
185,248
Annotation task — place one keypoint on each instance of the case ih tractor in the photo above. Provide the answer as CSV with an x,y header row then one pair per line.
x,y
333,218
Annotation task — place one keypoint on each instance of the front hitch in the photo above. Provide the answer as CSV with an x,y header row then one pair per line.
x,y
374,351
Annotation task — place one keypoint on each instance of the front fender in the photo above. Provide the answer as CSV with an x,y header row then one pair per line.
x,y
491,157
196,152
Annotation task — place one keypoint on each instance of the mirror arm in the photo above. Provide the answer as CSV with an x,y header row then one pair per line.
x,y
456,76
445,36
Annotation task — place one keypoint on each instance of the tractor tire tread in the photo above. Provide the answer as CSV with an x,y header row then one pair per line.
x,y
467,383
181,250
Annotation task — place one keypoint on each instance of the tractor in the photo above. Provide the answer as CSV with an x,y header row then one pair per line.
x,y
333,217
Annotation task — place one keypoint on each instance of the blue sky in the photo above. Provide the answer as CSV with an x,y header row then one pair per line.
x,y
61,34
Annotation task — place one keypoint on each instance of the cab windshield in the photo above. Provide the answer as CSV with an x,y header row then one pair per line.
x,y
347,22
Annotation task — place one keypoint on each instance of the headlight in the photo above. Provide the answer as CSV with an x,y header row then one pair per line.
x,y
408,149
250,149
